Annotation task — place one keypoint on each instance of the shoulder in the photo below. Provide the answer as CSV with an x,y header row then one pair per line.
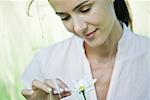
x,y
58,49
133,43
140,47
44,61
61,46
142,42
135,40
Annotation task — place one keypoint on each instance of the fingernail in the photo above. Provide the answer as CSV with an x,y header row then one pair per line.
x,y
31,92
66,89
55,92
58,90
49,90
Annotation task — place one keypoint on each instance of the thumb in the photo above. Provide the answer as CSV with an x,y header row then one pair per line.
x,y
27,93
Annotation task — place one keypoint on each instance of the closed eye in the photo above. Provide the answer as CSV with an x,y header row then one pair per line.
x,y
85,10
65,18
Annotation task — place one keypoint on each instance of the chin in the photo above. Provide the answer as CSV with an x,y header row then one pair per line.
x,y
94,44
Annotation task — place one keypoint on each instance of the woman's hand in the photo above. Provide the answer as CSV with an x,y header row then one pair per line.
x,y
47,90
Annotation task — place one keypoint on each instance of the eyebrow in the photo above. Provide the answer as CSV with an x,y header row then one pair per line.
x,y
76,7
79,5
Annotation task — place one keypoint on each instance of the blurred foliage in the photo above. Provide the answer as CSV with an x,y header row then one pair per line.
x,y
21,37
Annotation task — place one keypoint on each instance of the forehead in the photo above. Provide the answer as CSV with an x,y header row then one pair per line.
x,y
59,5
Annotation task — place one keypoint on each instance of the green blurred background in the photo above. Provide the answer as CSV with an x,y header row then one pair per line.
x,y
22,36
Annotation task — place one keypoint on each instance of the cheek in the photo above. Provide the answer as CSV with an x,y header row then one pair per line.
x,y
97,15
101,17
97,18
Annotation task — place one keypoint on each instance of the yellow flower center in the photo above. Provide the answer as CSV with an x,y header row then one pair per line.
x,y
82,88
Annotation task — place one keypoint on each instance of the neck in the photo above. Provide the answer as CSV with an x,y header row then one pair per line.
x,y
108,49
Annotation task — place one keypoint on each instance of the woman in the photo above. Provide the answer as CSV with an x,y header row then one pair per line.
x,y
102,47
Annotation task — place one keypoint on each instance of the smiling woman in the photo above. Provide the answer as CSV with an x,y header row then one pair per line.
x,y
102,47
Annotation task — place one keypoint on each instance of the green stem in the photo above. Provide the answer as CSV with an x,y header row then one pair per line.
x,y
83,93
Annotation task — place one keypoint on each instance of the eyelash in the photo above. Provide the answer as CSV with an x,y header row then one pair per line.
x,y
86,10
66,18
82,11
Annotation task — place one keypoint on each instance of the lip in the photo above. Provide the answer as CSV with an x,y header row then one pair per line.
x,y
90,34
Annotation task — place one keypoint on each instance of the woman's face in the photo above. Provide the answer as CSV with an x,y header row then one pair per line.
x,y
91,20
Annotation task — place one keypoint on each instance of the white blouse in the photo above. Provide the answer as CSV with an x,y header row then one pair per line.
x,y
67,61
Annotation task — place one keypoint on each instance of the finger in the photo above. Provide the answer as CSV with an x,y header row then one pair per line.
x,y
64,90
61,90
50,83
66,94
27,93
63,85
55,84
38,85
62,95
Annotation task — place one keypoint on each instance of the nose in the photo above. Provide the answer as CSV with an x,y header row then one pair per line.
x,y
80,26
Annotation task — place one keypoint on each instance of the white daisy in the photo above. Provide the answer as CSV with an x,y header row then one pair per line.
x,y
82,87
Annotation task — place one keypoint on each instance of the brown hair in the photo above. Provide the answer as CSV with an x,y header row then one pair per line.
x,y
122,12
